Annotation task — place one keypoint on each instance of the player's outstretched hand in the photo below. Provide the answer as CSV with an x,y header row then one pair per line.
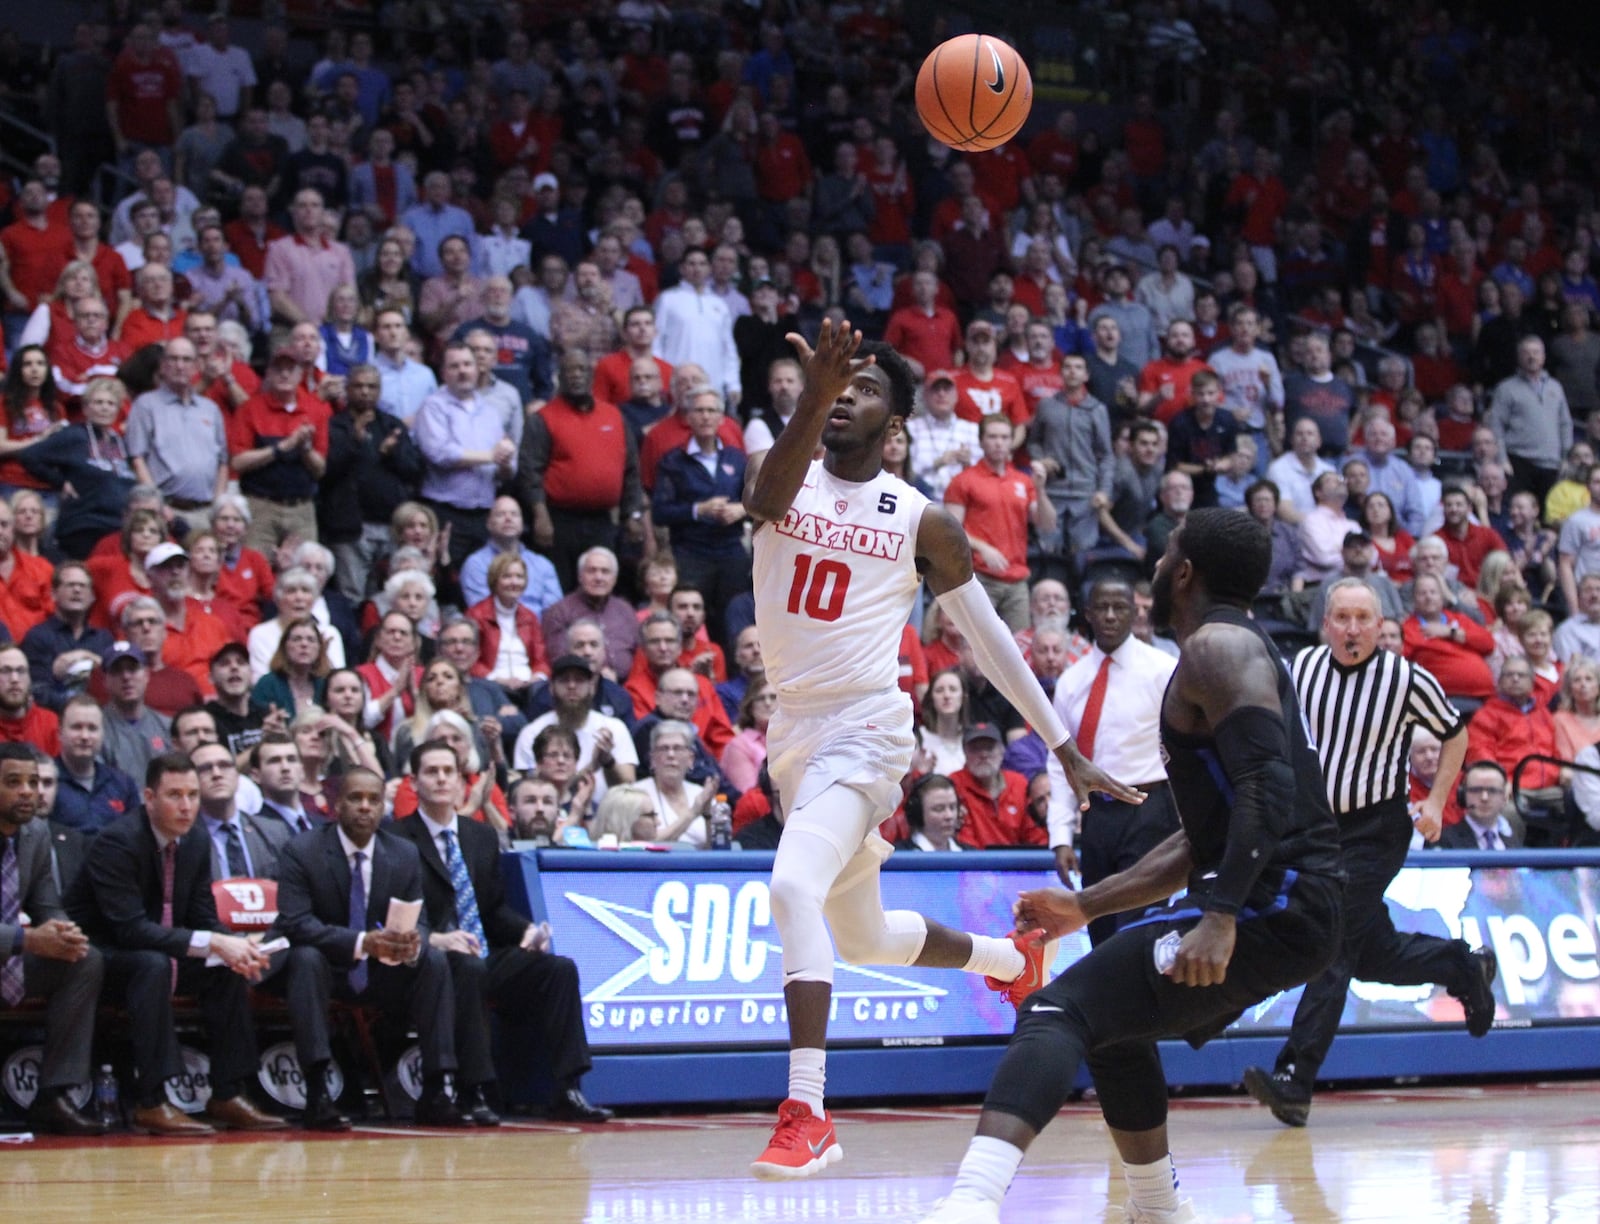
x,y
1204,953
833,363
1086,778
1055,911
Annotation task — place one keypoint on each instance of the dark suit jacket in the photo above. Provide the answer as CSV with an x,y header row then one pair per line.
x,y
480,850
67,846
36,884
1462,836
116,898
314,890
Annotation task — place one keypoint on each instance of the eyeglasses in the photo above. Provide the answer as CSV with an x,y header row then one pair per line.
x,y
216,767
1484,791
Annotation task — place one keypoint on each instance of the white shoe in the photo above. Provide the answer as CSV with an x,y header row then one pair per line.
x,y
1183,1213
964,1211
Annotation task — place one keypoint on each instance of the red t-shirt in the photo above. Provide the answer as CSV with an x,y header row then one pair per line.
x,y
588,452
783,171
1039,383
930,339
1178,375
112,272
190,649
997,510
141,328
913,661
895,204
38,726
613,377
36,257
996,822
25,598
976,399
141,92
251,250
262,417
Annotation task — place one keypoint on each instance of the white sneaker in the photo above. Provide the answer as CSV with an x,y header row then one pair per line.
x,y
964,1211
1183,1213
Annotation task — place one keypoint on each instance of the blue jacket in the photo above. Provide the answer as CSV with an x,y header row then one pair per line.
x,y
113,795
681,481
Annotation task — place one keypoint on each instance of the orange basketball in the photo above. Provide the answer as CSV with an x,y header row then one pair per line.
x,y
974,92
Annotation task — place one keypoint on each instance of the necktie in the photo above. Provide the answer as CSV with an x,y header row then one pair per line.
x,y
1490,840
237,867
1091,711
466,896
11,972
169,862
358,915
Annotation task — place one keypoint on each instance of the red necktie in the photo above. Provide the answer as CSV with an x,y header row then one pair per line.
x,y
1091,711
169,860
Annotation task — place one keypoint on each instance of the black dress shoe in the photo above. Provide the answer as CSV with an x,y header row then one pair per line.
x,y
572,1106
323,1115
477,1108
1289,1101
53,1114
440,1110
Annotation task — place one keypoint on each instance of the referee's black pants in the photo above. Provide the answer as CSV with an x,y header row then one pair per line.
x,y
1116,835
1374,841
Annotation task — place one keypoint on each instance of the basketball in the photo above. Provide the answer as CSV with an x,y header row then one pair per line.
x,y
974,92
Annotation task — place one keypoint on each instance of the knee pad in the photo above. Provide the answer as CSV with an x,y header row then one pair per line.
x,y
896,940
802,873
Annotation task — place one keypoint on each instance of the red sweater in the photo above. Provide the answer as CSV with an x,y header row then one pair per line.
x,y
588,453
1461,667
996,822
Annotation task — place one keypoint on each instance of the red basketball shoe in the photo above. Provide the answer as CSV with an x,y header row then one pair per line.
x,y
802,1144
1035,970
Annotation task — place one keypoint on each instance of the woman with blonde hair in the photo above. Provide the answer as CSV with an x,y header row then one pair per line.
x,y
29,521
1577,716
443,687
53,318
1537,633
626,813
319,788
120,576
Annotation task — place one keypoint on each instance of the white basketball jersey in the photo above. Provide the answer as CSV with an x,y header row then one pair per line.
x,y
834,585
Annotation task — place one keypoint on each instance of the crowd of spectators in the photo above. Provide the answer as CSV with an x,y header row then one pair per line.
x,y
404,393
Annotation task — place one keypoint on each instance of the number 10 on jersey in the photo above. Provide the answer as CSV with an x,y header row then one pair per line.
x,y
818,589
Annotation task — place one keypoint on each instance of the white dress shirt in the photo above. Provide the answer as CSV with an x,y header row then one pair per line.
x,y
1127,743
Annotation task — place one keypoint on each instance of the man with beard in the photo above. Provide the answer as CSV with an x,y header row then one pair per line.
x,y
22,721
1258,851
1164,382
577,470
1361,705
841,738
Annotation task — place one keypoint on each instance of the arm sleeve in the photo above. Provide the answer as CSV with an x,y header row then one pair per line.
x,y
997,654
1254,747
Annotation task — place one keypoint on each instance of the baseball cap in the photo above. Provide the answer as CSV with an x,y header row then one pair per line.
x,y
569,663
1356,537
230,648
982,731
162,553
939,376
546,179
119,651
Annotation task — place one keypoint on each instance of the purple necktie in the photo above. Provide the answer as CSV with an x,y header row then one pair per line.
x,y
11,972
169,862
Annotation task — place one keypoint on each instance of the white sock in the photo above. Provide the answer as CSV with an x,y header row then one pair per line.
x,y
1154,1187
808,1073
996,958
986,1170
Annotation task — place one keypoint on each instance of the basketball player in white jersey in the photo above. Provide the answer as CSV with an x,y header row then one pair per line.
x,y
840,549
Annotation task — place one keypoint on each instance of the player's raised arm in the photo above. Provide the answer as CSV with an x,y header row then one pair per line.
x,y
944,554
771,487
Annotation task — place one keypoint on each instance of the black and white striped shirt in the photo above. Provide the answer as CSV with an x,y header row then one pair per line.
x,y
1361,718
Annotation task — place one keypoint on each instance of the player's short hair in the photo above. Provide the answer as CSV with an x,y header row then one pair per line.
x,y
1205,378
1231,552
902,386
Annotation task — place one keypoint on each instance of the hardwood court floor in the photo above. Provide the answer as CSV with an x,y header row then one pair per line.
x,y
1507,1155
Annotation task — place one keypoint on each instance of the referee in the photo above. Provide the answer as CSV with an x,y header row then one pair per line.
x,y
1361,704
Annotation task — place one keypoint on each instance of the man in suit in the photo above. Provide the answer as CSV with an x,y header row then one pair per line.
x,y
278,774
1485,802
495,953
334,888
50,957
144,898
247,847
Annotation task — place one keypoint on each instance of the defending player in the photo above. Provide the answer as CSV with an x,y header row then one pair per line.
x,y
840,548
1259,851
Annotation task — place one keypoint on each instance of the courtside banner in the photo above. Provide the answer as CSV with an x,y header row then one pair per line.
x,y
679,950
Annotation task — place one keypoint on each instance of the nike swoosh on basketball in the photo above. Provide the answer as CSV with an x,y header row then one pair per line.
x,y
998,85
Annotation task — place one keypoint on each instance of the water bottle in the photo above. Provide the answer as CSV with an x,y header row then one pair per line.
x,y
1166,951
721,823
107,1106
